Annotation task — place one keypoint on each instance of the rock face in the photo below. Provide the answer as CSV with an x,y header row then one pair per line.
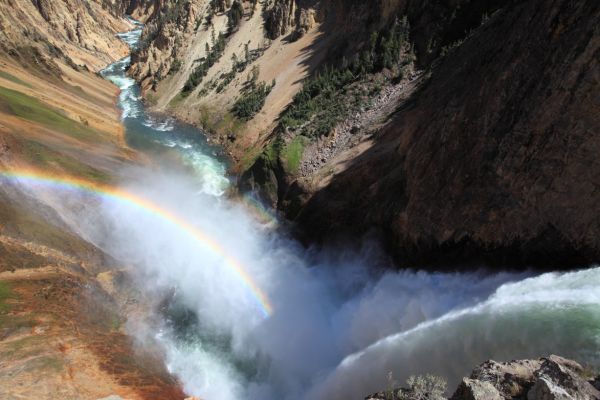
x,y
168,24
485,153
558,378
508,379
551,378
472,389
279,18
493,160
82,33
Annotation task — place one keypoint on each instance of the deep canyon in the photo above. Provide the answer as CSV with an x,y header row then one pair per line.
x,y
219,199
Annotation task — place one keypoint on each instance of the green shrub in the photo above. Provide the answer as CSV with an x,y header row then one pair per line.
x,y
292,153
175,67
234,17
320,104
212,56
252,101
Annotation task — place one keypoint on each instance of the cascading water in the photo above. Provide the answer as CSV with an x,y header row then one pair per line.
x,y
252,315
163,136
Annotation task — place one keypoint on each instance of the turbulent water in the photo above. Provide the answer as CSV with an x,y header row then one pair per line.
x,y
339,321
163,136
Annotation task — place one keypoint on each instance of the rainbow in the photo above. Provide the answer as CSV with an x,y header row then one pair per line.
x,y
114,193
265,215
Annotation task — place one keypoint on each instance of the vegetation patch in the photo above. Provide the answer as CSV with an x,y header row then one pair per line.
x,y
213,54
292,153
227,124
80,92
252,100
14,79
31,109
23,348
45,363
325,99
5,294
249,157
175,66
44,157
177,99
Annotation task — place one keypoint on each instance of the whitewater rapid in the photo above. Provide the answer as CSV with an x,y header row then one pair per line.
x,y
163,135
340,320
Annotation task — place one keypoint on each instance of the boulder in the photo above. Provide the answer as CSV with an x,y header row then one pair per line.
x,y
561,379
511,379
550,378
545,389
472,389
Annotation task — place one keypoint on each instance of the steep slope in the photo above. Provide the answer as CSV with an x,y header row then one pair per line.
x,y
62,301
81,33
495,158
278,42
460,131
176,43
61,332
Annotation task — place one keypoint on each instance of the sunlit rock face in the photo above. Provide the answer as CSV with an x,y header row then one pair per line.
x,y
551,378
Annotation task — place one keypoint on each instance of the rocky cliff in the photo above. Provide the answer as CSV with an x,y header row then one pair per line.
x,y
492,160
551,378
460,132
80,33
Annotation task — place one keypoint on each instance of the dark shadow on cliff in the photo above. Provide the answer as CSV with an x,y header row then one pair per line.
x,y
345,30
494,161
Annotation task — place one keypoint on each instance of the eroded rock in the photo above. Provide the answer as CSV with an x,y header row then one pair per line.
x,y
549,378
561,379
472,389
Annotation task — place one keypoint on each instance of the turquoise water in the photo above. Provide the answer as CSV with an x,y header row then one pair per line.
x,y
164,137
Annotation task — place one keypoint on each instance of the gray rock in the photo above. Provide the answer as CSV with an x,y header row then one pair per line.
x,y
511,379
560,379
545,389
551,378
471,389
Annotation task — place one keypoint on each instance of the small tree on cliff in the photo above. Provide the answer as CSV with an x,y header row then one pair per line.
x,y
235,15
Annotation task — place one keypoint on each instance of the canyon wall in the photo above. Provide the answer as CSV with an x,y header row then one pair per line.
x,y
493,160
80,33
458,131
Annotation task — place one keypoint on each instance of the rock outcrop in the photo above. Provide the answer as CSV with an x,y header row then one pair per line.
x,y
551,378
80,33
493,159
280,18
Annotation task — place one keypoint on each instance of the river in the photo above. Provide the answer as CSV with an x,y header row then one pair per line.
x,y
253,315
